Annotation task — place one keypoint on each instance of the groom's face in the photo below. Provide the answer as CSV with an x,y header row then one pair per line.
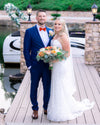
x,y
41,18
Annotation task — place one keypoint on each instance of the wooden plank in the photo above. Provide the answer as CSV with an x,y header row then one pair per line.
x,y
20,116
96,112
2,117
88,114
18,98
28,118
79,82
71,121
44,119
81,119
40,103
43,116
21,102
95,77
96,95
19,123
77,95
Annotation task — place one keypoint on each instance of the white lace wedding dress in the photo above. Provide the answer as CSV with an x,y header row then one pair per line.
x,y
62,105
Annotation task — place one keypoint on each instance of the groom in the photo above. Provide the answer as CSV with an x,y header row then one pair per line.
x,y
36,38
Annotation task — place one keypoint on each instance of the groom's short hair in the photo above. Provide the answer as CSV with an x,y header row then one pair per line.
x,y
40,11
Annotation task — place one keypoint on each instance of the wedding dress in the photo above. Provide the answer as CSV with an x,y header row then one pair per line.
x,y
62,105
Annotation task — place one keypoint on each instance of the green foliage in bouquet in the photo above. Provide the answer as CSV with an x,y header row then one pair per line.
x,y
50,54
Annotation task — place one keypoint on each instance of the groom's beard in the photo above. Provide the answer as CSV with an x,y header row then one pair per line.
x,y
41,23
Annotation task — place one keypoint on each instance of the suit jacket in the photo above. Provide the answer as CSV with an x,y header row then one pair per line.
x,y
32,44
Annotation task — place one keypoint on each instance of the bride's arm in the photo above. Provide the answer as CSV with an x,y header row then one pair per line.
x,y
65,43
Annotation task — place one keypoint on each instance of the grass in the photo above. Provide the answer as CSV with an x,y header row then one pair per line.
x,y
73,5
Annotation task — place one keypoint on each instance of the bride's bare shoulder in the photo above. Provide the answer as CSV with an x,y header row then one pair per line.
x,y
64,36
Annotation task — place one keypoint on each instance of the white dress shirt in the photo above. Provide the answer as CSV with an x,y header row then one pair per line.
x,y
44,36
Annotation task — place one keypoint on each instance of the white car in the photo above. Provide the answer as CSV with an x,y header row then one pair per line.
x,y
11,46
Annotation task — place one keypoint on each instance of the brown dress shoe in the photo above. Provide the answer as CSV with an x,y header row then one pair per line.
x,y
45,112
35,114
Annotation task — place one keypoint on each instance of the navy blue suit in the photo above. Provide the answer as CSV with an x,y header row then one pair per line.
x,y
39,69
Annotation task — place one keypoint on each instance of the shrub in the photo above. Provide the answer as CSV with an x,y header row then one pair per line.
x,y
58,5
55,15
98,8
98,16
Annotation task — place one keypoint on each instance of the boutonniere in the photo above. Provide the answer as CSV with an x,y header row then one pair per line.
x,y
51,33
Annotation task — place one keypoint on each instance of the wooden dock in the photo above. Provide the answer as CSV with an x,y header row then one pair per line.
x,y
88,86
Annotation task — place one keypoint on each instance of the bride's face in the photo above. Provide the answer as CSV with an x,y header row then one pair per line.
x,y
57,26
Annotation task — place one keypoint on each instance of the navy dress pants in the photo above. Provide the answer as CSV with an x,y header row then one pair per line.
x,y
41,70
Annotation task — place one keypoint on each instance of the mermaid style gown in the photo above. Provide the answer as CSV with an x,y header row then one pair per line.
x,y
62,105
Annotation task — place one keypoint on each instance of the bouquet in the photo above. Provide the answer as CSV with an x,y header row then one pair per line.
x,y
51,53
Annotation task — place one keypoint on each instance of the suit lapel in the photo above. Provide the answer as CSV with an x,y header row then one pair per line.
x,y
39,38
48,36
47,30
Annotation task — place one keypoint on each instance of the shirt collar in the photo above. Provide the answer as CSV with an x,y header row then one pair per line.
x,y
39,26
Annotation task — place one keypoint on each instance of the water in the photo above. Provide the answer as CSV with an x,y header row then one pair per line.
x,y
7,89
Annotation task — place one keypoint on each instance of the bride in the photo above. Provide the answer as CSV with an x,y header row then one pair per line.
x,y
62,105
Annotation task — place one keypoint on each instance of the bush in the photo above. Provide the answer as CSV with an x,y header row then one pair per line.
x,y
58,5
81,7
37,1
55,15
98,8
98,16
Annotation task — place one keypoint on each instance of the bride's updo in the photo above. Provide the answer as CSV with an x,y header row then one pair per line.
x,y
64,27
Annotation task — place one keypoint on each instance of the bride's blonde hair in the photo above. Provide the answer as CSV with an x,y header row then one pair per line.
x,y
64,27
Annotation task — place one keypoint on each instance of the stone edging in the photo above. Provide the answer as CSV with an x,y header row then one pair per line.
x,y
93,22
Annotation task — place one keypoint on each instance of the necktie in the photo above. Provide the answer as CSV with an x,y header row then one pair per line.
x,y
44,29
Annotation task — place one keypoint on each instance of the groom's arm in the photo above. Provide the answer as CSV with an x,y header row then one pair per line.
x,y
27,48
